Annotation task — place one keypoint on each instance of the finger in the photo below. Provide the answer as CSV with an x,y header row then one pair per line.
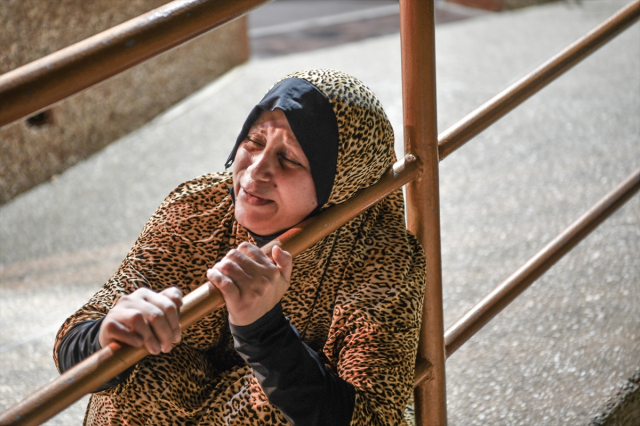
x,y
140,294
238,267
230,291
175,294
263,267
254,253
162,316
114,331
138,324
283,261
172,311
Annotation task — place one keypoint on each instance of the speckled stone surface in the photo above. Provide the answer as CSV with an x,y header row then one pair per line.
x,y
554,357
85,123
623,408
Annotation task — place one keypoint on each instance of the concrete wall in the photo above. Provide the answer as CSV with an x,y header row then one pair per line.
x,y
35,150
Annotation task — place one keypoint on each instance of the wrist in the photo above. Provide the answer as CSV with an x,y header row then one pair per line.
x,y
260,328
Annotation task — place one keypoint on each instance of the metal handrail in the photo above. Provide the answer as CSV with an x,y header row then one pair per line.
x,y
419,109
507,291
498,106
52,78
474,123
112,360
463,329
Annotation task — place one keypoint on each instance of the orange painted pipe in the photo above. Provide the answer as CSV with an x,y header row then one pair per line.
x,y
502,103
45,81
519,281
417,37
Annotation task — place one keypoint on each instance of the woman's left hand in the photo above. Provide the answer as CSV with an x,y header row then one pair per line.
x,y
250,282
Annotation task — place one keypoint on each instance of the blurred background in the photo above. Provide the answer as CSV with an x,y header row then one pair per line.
x,y
79,181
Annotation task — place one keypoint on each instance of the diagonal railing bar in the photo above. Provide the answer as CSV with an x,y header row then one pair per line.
x,y
508,290
520,280
498,106
112,360
45,81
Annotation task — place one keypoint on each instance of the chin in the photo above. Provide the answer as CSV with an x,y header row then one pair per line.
x,y
256,223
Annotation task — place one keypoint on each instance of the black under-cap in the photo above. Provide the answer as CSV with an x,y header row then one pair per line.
x,y
313,123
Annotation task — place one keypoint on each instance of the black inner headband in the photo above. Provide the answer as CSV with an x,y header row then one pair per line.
x,y
313,123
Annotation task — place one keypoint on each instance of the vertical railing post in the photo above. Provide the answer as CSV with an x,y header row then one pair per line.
x,y
417,36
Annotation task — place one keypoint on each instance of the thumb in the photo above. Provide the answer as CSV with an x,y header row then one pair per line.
x,y
283,261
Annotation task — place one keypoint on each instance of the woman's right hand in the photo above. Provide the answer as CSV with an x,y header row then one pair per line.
x,y
144,318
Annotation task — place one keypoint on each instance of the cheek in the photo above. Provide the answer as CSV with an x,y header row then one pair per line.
x,y
239,167
302,193
310,198
239,162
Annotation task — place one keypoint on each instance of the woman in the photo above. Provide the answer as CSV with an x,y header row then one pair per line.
x,y
328,338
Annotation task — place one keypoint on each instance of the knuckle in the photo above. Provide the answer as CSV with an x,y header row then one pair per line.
x,y
225,283
228,266
214,277
155,316
230,285
169,309
110,326
136,317
264,281
223,267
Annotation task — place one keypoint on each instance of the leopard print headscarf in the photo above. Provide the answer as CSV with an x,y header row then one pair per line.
x,y
355,296
365,146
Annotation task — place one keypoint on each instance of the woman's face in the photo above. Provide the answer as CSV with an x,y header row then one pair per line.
x,y
271,177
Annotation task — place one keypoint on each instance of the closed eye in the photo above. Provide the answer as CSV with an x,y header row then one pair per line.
x,y
290,160
253,144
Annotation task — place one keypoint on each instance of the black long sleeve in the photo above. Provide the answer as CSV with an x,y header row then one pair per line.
x,y
81,342
291,374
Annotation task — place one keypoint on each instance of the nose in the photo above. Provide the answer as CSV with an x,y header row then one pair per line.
x,y
262,166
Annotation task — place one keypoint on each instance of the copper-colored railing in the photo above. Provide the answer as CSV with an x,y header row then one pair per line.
x,y
518,282
40,84
505,101
465,129
417,36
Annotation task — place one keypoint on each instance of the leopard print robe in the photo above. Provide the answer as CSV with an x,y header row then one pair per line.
x,y
355,296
